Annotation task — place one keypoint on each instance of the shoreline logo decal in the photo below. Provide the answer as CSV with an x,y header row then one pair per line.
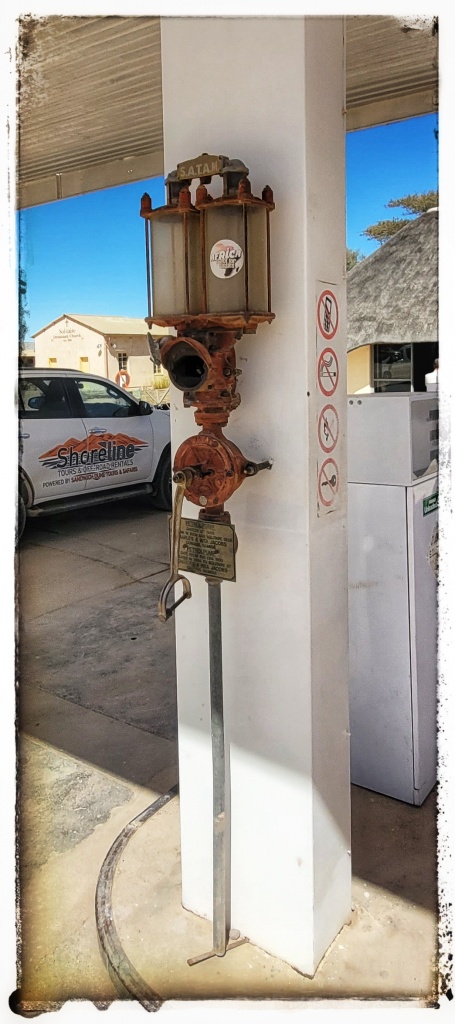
x,y
226,258
94,457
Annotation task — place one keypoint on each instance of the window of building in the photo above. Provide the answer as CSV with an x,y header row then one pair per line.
x,y
423,356
403,367
122,360
83,364
392,367
52,361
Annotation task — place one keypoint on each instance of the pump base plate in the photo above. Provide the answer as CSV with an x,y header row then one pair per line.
x,y
213,952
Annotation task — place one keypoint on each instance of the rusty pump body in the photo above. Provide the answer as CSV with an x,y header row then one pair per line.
x,y
205,370
201,359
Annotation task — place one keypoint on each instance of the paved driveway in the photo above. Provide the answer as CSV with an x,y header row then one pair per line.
x,y
97,714
89,633
97,667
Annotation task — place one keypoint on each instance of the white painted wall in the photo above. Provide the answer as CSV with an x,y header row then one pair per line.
x,y
140,366
271,92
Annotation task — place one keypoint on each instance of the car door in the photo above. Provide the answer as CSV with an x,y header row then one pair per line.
x,y
51,437
119,439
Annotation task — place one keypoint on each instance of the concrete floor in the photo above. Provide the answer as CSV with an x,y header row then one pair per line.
x,y
98,746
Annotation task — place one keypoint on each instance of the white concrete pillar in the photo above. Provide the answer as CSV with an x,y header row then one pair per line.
x,y
270,91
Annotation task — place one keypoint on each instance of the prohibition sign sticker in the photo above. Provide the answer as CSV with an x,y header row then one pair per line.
x,y
328,372
328,315
328,481
328,428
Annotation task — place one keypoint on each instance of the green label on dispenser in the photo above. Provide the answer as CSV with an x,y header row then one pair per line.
x,y
431,503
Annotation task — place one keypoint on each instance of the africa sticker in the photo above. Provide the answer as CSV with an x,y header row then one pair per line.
x,y
328,372
328,315
226,258
328,428
328,482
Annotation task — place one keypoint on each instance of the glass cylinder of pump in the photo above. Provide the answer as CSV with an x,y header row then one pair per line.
x,y
176,267
239,285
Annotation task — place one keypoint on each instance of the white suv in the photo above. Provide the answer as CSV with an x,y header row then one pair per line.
x,y
83,440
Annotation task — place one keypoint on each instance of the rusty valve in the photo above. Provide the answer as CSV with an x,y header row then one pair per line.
x,y
218,467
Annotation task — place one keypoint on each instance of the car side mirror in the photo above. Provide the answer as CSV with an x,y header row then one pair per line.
x,y
144,408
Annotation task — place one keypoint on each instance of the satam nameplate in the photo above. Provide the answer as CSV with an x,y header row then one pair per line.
x,y
202,166
207,549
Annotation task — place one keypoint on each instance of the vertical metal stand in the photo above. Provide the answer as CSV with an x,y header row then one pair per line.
x,y
219,769
222,942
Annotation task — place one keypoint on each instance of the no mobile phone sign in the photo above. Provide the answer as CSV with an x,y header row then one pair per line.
x,y
328,314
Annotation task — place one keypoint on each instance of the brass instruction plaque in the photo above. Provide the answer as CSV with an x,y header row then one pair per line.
x,y
207,548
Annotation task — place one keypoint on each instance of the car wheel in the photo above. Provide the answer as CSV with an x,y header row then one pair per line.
x,y
21,517
163,497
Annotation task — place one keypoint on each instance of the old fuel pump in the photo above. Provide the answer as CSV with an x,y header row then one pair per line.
x,y
208,268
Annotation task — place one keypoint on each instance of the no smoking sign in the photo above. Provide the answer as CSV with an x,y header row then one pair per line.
x,y
328,372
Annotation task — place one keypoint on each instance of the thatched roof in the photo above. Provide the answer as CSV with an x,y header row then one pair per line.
x,y
392,296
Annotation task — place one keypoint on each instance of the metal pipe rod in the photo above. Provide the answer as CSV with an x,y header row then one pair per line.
x,y
148,229
223,938
220,937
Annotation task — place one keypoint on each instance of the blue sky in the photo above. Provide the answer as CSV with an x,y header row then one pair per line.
x,y
87,254
384,163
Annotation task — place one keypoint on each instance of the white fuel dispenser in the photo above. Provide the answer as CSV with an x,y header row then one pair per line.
x,y
393,564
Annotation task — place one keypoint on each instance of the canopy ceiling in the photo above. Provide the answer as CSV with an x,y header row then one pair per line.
x,y
90,106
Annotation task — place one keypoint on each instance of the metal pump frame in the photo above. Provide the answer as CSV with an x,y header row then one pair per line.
x,y
208,467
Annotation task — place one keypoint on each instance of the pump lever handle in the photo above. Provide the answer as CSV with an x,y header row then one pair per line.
x,y
181,479
165,611
252,468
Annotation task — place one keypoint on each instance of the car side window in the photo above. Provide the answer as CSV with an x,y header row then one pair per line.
x,y
43,398
101,400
